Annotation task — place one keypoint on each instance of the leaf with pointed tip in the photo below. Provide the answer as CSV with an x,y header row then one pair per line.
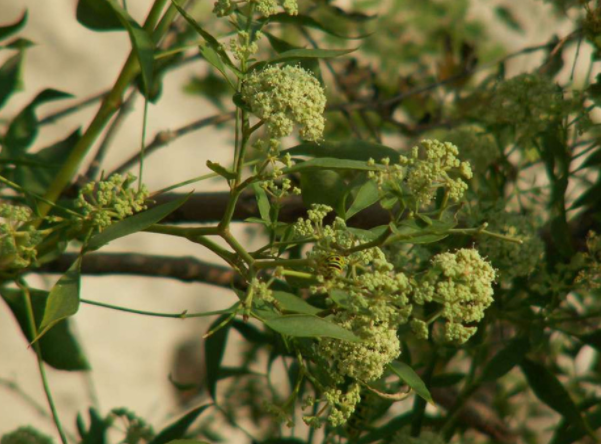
x,y
292,303
310,22
59,347
8,30
367,195
309,53
506,359
10,74
98,15
331,164
178,429
348,149
63,300
308,326
412,379
135,223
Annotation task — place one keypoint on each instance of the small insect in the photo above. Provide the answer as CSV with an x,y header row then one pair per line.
x,y
334,264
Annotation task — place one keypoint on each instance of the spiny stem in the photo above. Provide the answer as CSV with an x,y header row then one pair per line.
x,y
38,352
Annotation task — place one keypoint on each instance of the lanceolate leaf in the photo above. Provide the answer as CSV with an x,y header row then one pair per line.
x,y
141,41
309,22
214,351
412,379
262,203
308,326
135,223
178,429
63,300
292,303
324,187
8,30
506,359
367,195
310,54
331,164
98,15
348,149
59,347
549,390
9,77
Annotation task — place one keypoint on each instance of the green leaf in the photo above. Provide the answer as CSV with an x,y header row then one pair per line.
x,y
178,429
59,347
549,390
323,187
214,351
37,177
250,333
293,303
8,30
24,128
412,379
142,44
96,433
135,223
211,41
10,74
308,22
508,18
331,164
63,300
222,171
367,195
570,434
308,53
280,46
506,359
416,231
308,326
262,203
98,15
349,149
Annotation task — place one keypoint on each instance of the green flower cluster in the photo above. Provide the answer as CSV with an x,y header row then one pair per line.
x,y
364,361
18,240
462,283
477,146
342,405
26,435
528,102
245,44
112,199
266,8
511,259
439,168
285,96
275,184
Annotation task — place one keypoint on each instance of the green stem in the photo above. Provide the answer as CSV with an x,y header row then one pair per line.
x,y
143,143
238,248
375,243
481,230
183,315
109,106
283,263
38,352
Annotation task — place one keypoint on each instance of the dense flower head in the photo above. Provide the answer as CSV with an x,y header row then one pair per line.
x,y
285,96
511,259
342,404
438,167
364,361
111,199
17,239
462,283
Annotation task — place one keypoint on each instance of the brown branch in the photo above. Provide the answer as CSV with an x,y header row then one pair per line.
x,y
186,269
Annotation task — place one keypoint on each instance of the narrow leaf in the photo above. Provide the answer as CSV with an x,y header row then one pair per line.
x,y
262,202
135,223
222,171
310,22
367,195
412,379
98,15
292,303
142,44
63,300
303,53
214,351
506,359
8,30
178,429
9,77
59,347
308,326
549,390
330,164
348,149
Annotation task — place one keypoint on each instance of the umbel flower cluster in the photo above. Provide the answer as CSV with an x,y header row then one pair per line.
x,y
285,96
17,239
370,298
112,199
266,8
432,165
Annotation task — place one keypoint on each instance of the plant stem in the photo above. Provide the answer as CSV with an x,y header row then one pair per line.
x,y
109,106
283,263
38,352
183,315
